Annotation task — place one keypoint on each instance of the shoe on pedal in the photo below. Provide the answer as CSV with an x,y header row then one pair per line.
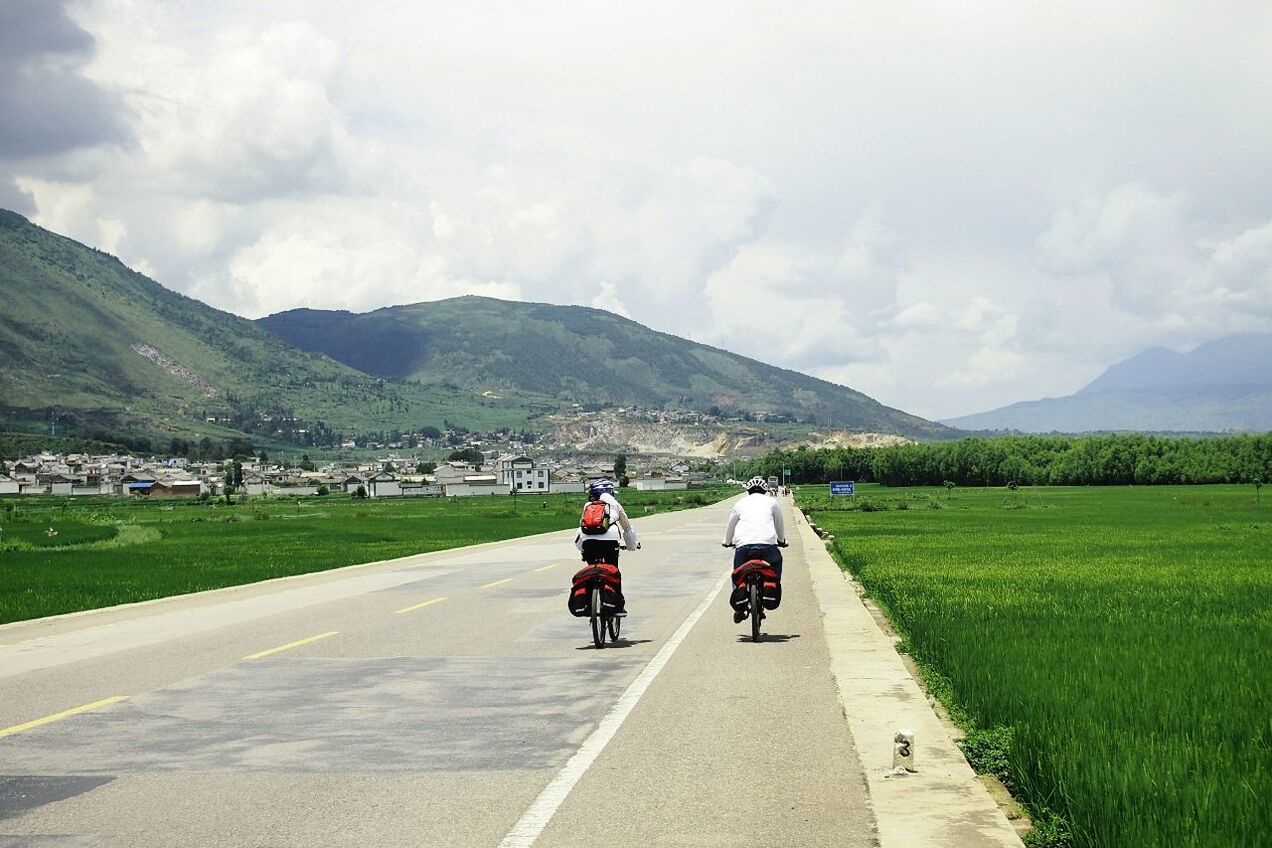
x,y
621,614
739,616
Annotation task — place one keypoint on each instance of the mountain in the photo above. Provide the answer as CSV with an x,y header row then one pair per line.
x,y
94,347
1223,385
577,355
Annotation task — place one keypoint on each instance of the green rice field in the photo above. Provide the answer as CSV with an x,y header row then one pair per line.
x,y
61,555
1109,647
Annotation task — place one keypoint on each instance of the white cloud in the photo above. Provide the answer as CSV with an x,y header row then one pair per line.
x,y
918,316
947,207
341,255
607,298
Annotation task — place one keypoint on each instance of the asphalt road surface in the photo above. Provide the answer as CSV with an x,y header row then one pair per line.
x,y
447,699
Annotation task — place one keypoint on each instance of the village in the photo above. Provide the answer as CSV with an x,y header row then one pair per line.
x,y
390,476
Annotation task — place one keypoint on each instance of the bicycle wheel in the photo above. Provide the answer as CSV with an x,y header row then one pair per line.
x,y
755,611
614,624
598,622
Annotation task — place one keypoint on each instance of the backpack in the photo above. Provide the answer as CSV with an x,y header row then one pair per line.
x,y
596,518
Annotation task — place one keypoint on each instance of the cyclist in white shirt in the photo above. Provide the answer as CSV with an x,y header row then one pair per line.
x,y
755,527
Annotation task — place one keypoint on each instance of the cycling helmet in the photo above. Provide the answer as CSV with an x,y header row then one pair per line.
x,y
757,484
603,486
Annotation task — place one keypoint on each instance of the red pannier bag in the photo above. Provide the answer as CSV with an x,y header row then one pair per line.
x,y
770,588
611,596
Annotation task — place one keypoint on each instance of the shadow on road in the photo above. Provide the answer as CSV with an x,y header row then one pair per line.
x,y
771,637
621,643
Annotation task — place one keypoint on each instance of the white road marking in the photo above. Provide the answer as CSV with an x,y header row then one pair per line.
x,y
532,822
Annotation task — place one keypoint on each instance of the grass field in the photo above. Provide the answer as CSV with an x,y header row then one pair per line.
x,y
1110,647
110,551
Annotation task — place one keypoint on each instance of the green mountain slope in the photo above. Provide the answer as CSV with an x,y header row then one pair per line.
x,y
577,355
96,346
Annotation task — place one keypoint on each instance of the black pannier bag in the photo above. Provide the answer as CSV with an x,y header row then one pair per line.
x,y
579,601
771,594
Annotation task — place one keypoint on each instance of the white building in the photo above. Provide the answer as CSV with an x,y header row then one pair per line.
x,y
421,490
453,472
384,485
476,484
519,474
659,484
568,485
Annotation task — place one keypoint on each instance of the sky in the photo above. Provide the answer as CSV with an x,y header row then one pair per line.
x,y
949,207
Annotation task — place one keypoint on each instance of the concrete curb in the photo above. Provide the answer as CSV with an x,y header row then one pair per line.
x,y
942,803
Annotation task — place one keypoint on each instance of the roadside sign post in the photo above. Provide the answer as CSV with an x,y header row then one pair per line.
x,y
842,487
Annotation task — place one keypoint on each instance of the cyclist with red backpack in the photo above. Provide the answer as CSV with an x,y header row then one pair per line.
x,y
755,527
603,526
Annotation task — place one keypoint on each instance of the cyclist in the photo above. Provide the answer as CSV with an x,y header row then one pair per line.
x,y
755,527
603,546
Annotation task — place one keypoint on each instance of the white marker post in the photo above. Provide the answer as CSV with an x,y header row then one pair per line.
x,y
903,750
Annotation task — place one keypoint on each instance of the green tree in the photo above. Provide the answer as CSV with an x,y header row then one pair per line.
x,y
620,466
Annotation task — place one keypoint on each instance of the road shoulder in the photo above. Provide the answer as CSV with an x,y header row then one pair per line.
x,y
942,803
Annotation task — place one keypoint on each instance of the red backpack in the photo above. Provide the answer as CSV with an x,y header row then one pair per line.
x,y
596,518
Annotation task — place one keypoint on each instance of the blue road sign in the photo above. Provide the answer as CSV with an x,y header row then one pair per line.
x,y
842,487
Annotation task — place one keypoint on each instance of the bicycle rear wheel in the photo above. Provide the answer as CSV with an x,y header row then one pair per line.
x,y
755,611
598,621
614,624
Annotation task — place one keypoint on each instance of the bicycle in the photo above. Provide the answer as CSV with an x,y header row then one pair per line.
x,y
756,572
602,622
602,612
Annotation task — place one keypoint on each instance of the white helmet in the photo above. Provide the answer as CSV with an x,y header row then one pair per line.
x,y
757,484
603,486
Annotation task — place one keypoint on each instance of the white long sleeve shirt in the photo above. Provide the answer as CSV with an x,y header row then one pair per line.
x,y
620,529
755,520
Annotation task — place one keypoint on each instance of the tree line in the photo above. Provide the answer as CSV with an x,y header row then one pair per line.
x,y
1035,461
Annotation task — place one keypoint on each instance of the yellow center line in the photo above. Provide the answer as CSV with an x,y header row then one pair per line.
x,y
418,606
290,645
18,728
496,583
546,567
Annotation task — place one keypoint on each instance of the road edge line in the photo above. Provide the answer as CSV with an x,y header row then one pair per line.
x,y
533,821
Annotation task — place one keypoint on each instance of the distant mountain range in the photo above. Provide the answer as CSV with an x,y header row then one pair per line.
x,y
577,355
1223,385
90,346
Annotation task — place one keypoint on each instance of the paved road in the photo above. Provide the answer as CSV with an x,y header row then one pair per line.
x,y
393,717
